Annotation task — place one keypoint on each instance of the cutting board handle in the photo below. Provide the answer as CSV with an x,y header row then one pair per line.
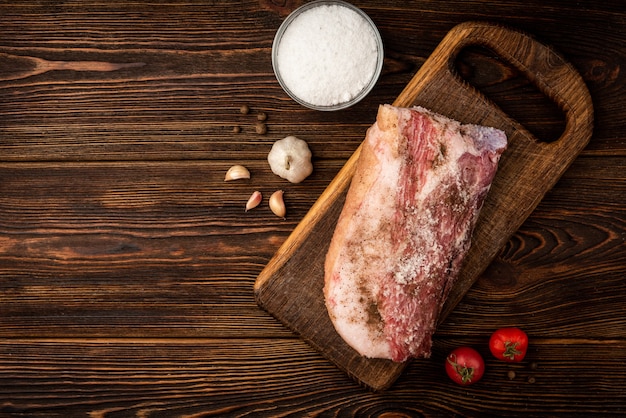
x,y
551,74
556,78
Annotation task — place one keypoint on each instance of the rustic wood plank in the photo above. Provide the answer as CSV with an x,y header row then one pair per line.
x,y
200,377
105,248
179,97
111,249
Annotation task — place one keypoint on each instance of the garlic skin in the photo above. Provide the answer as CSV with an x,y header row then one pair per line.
x,y
290,158
254,200
237,172
277,204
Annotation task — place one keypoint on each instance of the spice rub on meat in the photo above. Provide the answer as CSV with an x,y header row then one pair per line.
x,y
405,227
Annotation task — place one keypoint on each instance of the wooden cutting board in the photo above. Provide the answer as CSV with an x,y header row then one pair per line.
x,y
291,285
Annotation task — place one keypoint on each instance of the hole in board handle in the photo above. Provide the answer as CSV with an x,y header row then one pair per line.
x,y
510,90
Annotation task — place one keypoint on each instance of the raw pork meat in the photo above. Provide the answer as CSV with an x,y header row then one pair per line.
x,y
405,227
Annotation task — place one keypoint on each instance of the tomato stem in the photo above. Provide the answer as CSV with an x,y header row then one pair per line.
x,y
510,349
465,372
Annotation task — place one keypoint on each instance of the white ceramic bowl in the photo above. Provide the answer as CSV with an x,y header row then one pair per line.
x,y
355,93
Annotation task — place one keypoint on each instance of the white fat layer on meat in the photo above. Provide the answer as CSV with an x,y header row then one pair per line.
x,y
356,301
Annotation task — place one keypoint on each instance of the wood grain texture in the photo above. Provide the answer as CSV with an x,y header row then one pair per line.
x,y
192,274
185,378
127,265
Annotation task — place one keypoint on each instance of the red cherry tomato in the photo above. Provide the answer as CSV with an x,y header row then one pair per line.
x,y
509,344
465,366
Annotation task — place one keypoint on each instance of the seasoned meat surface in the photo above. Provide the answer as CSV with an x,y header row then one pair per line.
x,y
405,227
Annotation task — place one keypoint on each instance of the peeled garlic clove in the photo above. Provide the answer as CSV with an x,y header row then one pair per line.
x,y
237,172
277,204
290,158
254,200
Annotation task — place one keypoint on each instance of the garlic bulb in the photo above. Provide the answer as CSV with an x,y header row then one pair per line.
x,y
290,158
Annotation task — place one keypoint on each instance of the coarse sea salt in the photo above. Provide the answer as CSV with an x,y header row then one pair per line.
x,y
328,55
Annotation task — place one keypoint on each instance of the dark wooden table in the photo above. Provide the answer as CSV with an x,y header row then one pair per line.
x,y
127,265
